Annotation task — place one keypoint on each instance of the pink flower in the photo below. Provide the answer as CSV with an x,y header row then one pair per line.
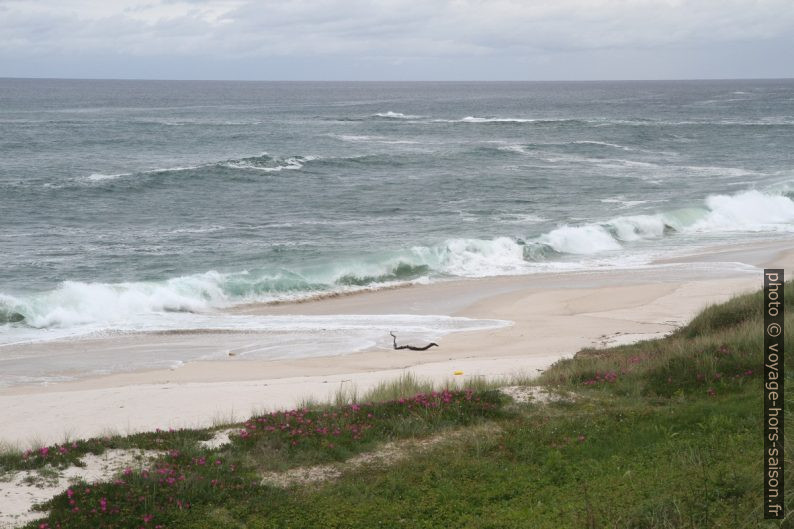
x,y
103,504
44,451
69,493
127,471
148,518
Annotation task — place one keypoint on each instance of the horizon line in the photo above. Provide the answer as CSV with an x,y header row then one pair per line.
x,y
683,79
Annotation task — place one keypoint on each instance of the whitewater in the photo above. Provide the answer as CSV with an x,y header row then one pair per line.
x,y
118,220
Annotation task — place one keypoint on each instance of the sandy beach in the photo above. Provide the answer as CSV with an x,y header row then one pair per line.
x,y
551,316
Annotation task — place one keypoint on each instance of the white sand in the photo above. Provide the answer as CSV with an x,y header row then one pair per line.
x,y
19,491
554,315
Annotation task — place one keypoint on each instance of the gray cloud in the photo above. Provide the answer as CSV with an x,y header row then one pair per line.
x,y
395,38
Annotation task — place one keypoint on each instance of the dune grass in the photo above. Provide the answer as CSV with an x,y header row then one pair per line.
x,y
720,351
406,385
660,434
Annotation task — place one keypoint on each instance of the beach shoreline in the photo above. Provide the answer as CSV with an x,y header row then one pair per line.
x,y
552,315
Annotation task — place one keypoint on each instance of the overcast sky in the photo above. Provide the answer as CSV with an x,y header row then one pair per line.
x,y
397,39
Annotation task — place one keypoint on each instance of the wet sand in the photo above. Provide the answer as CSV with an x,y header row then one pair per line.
x,y
552,316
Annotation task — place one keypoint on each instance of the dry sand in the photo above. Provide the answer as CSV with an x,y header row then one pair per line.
x,y
19,491
553,316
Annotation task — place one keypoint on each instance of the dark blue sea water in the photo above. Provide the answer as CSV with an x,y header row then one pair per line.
x,y
126,200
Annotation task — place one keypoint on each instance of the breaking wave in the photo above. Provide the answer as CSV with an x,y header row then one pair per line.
x,y
78,303
748,211
263,162
269,164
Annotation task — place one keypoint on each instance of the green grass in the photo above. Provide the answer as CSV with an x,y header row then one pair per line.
x,y
661,434
720,350
606,464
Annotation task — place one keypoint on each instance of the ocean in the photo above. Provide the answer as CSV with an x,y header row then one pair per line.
x,y
156,205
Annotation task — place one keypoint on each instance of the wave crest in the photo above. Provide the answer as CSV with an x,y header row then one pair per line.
x,y
76,303
747,211
472,119
268,164
396,115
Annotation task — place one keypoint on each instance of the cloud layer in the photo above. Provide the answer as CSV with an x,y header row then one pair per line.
x,y
506,39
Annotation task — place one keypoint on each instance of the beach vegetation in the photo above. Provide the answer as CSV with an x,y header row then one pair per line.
x,y
663,434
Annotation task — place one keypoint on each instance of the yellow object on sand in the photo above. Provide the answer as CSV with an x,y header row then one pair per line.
x,y
458,373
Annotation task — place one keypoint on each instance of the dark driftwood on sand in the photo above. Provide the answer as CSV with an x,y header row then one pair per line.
x,y
411,347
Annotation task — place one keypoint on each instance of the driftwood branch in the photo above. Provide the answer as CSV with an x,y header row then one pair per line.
x,y
411,347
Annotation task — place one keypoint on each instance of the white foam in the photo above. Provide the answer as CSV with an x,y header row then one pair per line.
x,y
623,203
104,177
474,257
586,240
638,227
264,337
98,177
520,149
355,138
751,211
396,115
182,300
77,303
603,144
519,218
472,119
291,163
175,169
348,322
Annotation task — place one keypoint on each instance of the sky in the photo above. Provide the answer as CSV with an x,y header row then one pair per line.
x,y
397,39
